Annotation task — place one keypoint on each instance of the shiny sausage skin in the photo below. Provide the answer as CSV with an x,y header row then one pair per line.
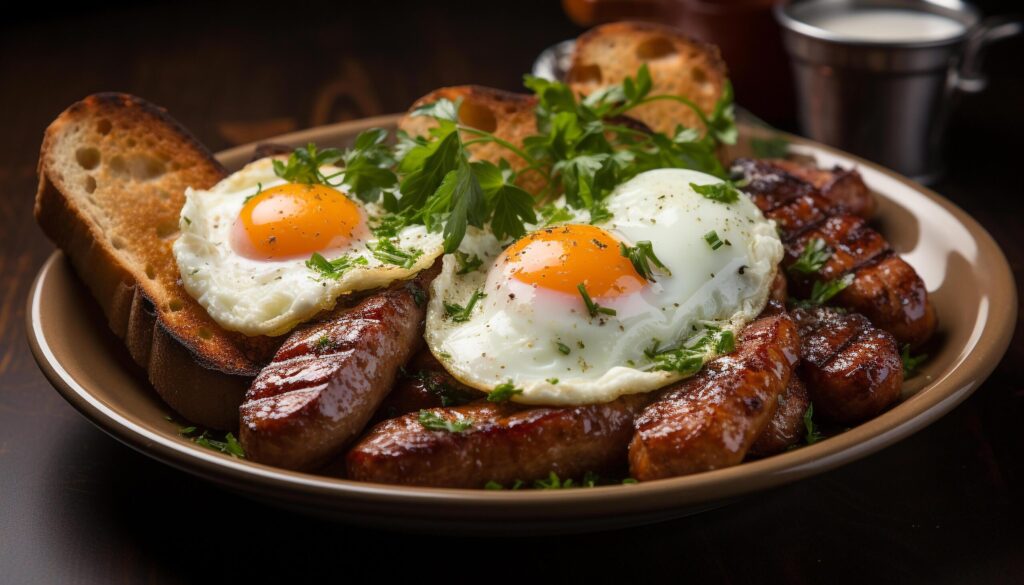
x,y
786,427
843,186
424,383
506,442
885,288
852,369
328,378
711,420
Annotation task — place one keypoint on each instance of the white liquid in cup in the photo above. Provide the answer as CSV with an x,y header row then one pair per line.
x,y
888,25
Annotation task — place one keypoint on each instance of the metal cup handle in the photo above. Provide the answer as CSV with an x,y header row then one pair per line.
x,y
970,78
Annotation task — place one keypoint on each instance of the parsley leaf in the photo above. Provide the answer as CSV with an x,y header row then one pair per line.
x,y
467,263
822,292
460,314
368,166
503,392
563,348
642,256
303,165
724,192
229,446
815,254
812,434
551,214
511,205
911,363
389,253
682,361
435,422
593,308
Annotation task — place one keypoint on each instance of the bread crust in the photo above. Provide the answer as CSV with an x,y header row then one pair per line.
x,y
135,187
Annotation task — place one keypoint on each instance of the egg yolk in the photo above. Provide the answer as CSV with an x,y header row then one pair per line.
x,y
561,258
294,220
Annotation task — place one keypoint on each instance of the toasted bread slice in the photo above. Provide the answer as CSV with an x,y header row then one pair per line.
x,y
607,54
112,175
507,115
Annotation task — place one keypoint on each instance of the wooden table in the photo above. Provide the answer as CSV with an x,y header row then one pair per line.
x,y
945,505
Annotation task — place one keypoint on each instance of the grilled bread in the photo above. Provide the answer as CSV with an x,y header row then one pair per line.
x,y
679,66
112,176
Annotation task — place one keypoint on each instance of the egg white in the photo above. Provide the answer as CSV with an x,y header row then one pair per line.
x,y
513,334
271,297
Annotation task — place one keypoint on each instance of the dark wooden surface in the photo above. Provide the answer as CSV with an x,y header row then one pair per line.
x,y
944,506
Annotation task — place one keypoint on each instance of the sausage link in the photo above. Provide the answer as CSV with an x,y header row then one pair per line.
x,y
787,425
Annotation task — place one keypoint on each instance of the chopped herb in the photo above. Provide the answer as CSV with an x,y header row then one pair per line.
x,y
593,308
461,314
186,430
324,343
387,252
813,257
714,241
681,361
553,483
229,446
911,363
724,192
449,395
435,422
726,342
503,392
552,381
388,226
563,348
822,292
493,485
642,256
259,189
303,165
812,435
333,269
467,263
773,147
551,214
187,220
590,479
419,296
629,480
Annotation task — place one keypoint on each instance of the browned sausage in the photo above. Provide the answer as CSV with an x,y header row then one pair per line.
x,y
328,378
711,420
885,289
843,186
786,427
504,443
423,384
852,369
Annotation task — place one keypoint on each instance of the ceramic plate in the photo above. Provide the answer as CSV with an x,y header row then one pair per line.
x,y
965,271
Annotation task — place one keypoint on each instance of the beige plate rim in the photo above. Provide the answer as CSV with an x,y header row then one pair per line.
x,y
356,499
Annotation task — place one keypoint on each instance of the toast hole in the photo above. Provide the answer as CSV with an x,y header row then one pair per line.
x,y
117,243
167,229
104,126
656,48
585,74
477,116
88,158
90,184
205,333
146,168
175,305
118,166
150,272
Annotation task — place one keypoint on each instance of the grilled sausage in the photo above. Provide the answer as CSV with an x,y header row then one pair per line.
x,y
711,420
787,425
844,187
328,378
885,288
852,369
504,443
424,384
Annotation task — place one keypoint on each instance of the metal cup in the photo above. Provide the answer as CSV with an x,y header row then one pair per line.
x,y
886,101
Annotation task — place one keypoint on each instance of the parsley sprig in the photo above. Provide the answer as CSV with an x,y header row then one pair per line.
x,y
460,314
642,257
814,255
333,269
435,422
823,291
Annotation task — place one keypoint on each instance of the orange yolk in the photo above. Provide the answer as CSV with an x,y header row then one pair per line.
x,y
560,258
295,220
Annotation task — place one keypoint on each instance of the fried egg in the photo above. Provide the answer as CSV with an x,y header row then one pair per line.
x,y
245,244
522,318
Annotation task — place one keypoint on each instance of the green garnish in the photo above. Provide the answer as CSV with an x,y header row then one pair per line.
x,y
467,263
773,147
550,214
822,292
552,381
368,166
726,342
229,446
333,268
449,395
461,314
593,308
812,435
714,241
724,192
303,165
435,422
493,485
563,348
324,343
553,483
503,392
259,189
642,256
387,252
629,480
685,362
911,363
813,257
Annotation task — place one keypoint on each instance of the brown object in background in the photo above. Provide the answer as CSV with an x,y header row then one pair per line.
x,y
744,30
